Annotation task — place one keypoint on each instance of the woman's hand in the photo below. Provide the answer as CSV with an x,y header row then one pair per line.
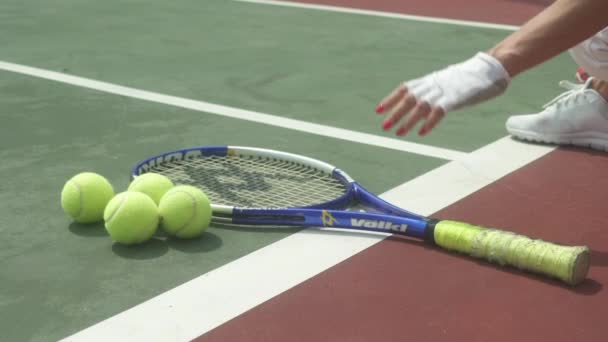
x,y
431,97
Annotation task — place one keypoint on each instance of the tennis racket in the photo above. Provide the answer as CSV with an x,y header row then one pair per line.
x,y
262,187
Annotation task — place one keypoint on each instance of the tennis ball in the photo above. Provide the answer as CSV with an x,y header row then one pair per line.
x,y
85,195
131,217
152,184
185,212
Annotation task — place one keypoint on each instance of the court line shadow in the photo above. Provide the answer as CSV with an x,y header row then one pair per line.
x,y
150,249
205,243
587,287
88,230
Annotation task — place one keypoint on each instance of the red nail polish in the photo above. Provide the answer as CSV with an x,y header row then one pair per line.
x,y
401,131
380,108
387,124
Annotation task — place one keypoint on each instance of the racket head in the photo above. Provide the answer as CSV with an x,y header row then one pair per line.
x,y
240,177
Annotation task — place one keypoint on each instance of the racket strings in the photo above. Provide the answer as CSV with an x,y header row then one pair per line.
x,y
254,181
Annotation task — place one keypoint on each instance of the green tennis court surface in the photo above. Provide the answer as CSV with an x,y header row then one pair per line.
x,y
314,66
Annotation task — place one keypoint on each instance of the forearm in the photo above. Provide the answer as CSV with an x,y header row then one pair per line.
x,y
553,31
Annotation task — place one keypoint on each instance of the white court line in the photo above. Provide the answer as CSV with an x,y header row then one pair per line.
x,y
195,307
381,14
267,119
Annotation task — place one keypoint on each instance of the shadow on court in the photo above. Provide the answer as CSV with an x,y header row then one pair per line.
x,y
88,230
155,247
206,243
599,258
587,287
151,249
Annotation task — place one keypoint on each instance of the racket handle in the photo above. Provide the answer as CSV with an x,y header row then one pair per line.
x,y
568,263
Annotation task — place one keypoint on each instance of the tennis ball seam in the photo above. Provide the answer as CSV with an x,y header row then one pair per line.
x,y
118,207
80,199
194,212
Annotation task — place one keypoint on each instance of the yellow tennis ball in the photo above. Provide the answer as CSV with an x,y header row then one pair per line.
x,y
131,217
185,212
85,196
152,184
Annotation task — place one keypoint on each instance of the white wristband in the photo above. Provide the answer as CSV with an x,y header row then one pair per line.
x,y
475,80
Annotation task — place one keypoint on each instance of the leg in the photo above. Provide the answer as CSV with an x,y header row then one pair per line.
x,y
580,115
592,55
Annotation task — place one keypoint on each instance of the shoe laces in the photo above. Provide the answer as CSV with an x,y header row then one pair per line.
x,y
574,93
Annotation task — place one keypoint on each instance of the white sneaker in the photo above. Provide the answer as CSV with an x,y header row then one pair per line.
x,y
577,117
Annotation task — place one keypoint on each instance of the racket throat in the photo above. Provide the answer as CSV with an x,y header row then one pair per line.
x,y
261,219
429,232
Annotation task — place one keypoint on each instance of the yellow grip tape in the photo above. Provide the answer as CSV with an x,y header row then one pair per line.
x,y
568,263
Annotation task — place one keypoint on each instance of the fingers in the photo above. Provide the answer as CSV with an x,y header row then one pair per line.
x,y
392,99
403,108
419,112
432,120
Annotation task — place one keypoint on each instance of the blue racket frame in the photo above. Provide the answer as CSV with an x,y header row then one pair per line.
x,y
378,216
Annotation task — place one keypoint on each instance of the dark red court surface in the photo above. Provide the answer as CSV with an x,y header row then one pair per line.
x,y
511,12
400,290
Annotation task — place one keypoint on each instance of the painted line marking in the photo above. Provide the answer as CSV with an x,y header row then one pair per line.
x,y
236,113
327,8
204,303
